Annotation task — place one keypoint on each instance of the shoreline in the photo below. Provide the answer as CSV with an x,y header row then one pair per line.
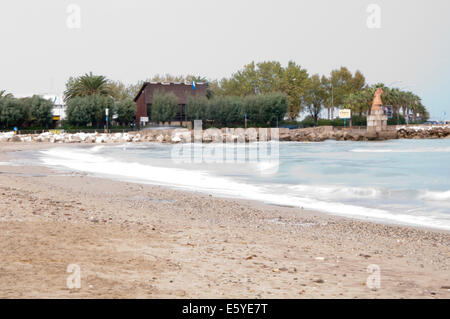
x,y
18,147
197,246
237,135
386,218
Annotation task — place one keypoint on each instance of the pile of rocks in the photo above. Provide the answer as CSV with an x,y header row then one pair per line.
x,y
314,134
424,131
322,133
48,137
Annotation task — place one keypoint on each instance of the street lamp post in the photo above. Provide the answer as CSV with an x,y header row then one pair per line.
x,y
332,101
107,119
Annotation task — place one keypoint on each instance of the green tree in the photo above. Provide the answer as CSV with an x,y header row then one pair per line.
x,y
241,83
197,108
267,109
164,107
294,83
274,108
88,110
261,78
41,111
315,97
359,102
121,92
226,110
340,84
126,111
12,112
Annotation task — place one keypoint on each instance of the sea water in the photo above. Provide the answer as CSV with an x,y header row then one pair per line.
x,y
398,181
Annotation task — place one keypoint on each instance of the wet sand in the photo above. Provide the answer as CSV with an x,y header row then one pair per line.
x,y
141,241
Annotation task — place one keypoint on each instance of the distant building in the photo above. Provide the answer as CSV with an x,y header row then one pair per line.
x,y
59,108
144,99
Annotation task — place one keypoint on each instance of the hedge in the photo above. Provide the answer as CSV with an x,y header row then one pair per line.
x,y
267,109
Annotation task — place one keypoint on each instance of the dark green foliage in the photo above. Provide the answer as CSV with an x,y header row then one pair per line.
x,y
12,112
82,111
164,107
34,111
309,121
268,109
359,120
41,111
126,111
87,85
197,108
397,119
226,110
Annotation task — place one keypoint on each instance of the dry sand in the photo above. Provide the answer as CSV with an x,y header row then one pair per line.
x,y
140,241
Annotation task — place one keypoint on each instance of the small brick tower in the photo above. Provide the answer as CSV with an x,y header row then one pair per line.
x,y
377,121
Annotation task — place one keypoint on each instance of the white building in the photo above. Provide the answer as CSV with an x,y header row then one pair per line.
x,y
59,108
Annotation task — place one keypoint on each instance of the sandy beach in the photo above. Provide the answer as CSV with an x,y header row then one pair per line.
x,y
141,241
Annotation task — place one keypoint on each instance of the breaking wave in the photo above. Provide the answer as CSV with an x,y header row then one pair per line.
x,y
334,199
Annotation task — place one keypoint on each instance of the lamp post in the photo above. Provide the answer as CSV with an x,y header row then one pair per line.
x,y
107,115
332,101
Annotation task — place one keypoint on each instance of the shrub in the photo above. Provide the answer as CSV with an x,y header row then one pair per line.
x,y
41,111
274,108
126,111
397,119
266,109
12,112
197,108
229,111
82,111
164,107
226,110
359,120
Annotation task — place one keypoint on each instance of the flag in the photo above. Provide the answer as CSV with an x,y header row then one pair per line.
x,y
194,85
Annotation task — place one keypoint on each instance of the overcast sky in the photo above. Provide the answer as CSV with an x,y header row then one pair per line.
x,y
131,40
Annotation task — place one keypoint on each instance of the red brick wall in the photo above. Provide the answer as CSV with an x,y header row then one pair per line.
x,y
141,108
181,91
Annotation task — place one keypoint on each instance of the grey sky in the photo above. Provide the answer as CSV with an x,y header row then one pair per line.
x,y
131,40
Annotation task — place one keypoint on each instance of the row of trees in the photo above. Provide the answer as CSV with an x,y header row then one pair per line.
x,y
30,111
304,92
313,93
402,102
265,109
264,92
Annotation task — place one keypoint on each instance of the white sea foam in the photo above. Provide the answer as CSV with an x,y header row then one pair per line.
x,y
436,196
338,191
409,150
88,161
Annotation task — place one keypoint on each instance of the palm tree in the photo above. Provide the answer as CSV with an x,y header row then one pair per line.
x,y
86,85
4,94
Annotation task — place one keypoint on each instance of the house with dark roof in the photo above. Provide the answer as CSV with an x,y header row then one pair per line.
x,y
144,99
